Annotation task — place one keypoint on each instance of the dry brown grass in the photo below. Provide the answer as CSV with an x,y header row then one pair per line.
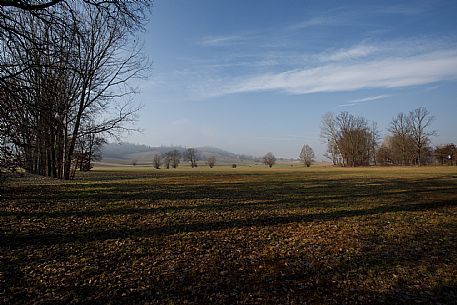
x,y
232,236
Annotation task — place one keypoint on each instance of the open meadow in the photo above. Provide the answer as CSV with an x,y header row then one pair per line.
x,y
286,235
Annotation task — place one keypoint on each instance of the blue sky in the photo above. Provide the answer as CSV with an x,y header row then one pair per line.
x,y
257,76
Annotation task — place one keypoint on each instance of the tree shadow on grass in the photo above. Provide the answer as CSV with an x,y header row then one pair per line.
x,y
293,285
371,277
386,271
116,199
44,239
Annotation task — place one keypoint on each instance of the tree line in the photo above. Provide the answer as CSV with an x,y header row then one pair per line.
x,y
354,141
173,157
66,71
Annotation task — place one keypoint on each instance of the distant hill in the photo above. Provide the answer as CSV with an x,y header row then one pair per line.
x,y
122,150
124,153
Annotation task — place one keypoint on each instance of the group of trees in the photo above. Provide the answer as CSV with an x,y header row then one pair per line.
x,y
306,156
173,158
446,154
65,80
353,141
409,140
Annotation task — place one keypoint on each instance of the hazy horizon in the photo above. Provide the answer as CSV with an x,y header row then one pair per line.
x,y
252,77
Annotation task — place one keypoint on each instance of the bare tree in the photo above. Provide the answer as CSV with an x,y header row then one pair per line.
x,y
375,138
191,155
446,154
396,150
400,128
103,74
88,149
167,160
349,138
354,139
29,5
269,159
172,158
64,73
384,155
156,161
329,132
420,121
57,13
307,155
211,161
9,159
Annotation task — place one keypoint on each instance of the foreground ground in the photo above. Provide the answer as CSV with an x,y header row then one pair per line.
x,y
231,236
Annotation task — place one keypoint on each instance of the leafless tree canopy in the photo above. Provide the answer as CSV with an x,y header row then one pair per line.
x,y
211,161
172,158
446,154
351,140
408,142
157,161
400,129
420,121
269,159
65,76
307,155
191,155
88,149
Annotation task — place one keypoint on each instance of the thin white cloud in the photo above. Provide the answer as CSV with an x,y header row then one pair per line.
x,y
348,54
312,22
400,9
370,98
389,64
215,41
364,100
381,73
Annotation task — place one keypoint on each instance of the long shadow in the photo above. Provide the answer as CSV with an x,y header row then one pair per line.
x,y
45,239
325,194
382,256
121,211
300,282
286,287
330,189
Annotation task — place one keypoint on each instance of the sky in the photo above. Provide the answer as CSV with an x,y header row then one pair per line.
x,y
257,76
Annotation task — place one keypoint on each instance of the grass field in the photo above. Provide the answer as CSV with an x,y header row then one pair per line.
x,y
288,235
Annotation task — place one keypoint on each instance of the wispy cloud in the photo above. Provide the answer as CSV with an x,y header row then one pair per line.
x,y
348,54
386,64
381,73
312,22
401,9
215,41
364,100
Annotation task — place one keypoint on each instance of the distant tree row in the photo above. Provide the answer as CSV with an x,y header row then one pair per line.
x,y
306,156
354,141
173,158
